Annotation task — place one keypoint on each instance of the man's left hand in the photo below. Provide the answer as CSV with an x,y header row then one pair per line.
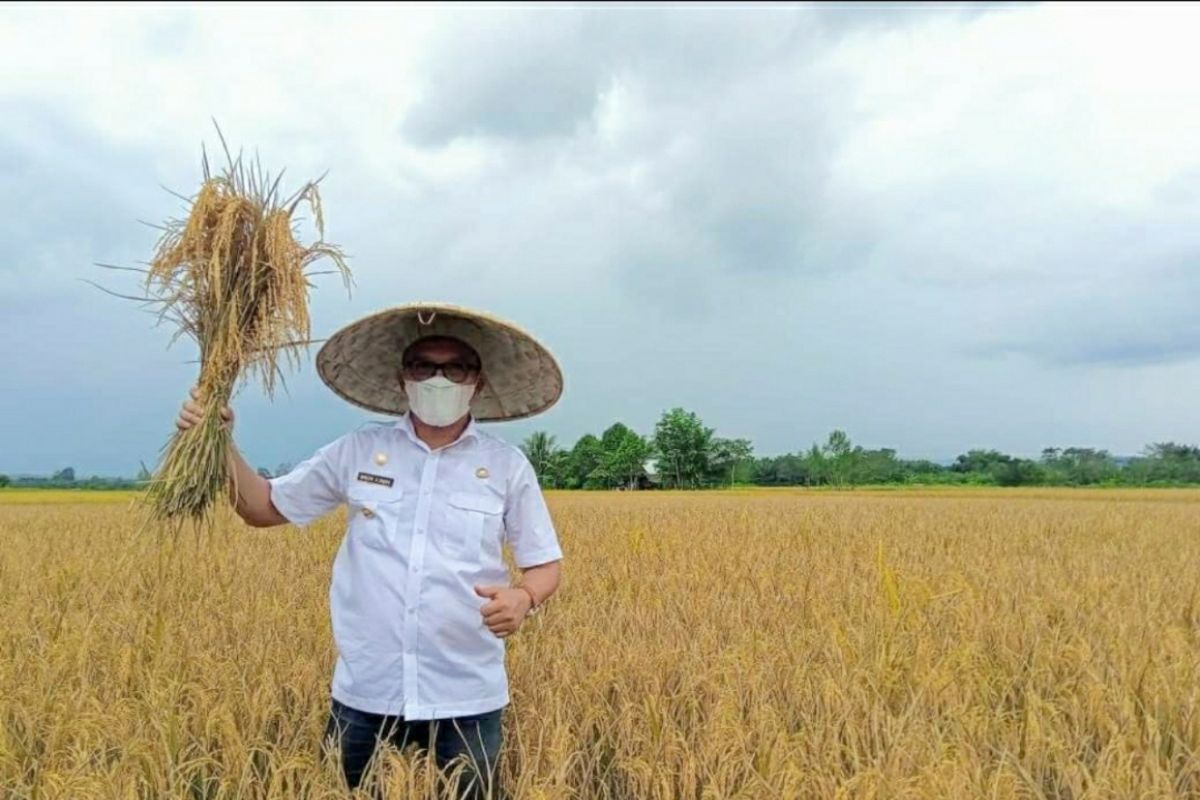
x,y
506,610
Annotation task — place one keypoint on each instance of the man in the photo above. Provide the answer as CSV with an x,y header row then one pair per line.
x,y
420,600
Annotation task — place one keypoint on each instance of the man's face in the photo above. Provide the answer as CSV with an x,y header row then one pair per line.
x,y
442,351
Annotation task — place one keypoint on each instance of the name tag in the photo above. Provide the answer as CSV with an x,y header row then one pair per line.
x,y
381,480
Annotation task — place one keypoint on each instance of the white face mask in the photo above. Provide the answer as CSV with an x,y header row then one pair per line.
x,y
439,401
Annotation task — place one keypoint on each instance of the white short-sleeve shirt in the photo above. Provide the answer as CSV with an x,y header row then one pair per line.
x,y
424,527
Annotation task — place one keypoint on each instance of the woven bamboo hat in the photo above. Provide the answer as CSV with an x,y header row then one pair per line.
x,y
361,361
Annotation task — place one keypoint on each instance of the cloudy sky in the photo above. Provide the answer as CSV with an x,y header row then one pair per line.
x,y
934,227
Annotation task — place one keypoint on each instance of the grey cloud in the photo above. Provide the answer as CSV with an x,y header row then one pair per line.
x,y
479,83
1182,189
1118,306
1025,266
838,19
532,75
733,137
539,74
732,133
732,181
70,195
1103,347
1129,324
88,378
706,251
1118,350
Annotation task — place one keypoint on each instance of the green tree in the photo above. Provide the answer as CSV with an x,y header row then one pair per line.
x,y
557,468
66,475
1169,451
543,453
816,466
1165,462
840,456
623,456
682,443
877,466
1018,472
923,471
4,481
1080,466
792,469
726,455
979,461
582,462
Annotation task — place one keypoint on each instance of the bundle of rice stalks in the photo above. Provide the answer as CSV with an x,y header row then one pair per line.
x,y
234,278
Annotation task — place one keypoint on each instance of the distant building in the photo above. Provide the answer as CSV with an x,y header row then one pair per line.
x,y
650,479
647,480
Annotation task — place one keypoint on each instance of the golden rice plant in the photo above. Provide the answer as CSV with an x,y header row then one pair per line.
x,y
1039,644
233,277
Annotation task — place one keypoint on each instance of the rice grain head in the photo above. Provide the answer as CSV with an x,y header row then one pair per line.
x,y
232,276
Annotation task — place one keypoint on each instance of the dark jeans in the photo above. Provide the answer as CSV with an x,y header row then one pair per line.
x,y
477,736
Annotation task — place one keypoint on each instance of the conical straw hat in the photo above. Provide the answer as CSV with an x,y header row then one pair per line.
x,y
361,361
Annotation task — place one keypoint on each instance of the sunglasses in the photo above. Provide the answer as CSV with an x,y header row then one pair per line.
x,y
454,371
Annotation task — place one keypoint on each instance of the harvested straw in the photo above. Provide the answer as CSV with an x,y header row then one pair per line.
x,y
233,277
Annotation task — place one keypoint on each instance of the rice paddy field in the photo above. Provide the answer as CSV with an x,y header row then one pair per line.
x,y
758,644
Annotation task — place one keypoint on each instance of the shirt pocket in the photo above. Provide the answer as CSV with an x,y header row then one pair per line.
x,y
471,515
374,513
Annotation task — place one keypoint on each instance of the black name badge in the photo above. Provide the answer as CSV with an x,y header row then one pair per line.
x,y
381,480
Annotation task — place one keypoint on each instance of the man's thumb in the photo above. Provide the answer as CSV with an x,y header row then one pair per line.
x,y
486,591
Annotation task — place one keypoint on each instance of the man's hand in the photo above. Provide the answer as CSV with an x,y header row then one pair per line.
x,y
192,412
507,609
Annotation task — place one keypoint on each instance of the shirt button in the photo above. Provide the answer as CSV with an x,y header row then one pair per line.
x,y
368,513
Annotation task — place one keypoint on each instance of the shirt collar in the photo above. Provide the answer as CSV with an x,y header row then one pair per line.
x,y
405,426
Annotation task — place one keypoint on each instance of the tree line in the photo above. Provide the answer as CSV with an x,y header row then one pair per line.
x,y
65,478
682,452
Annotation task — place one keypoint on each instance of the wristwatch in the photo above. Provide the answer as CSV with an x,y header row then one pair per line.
x,y
533,607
